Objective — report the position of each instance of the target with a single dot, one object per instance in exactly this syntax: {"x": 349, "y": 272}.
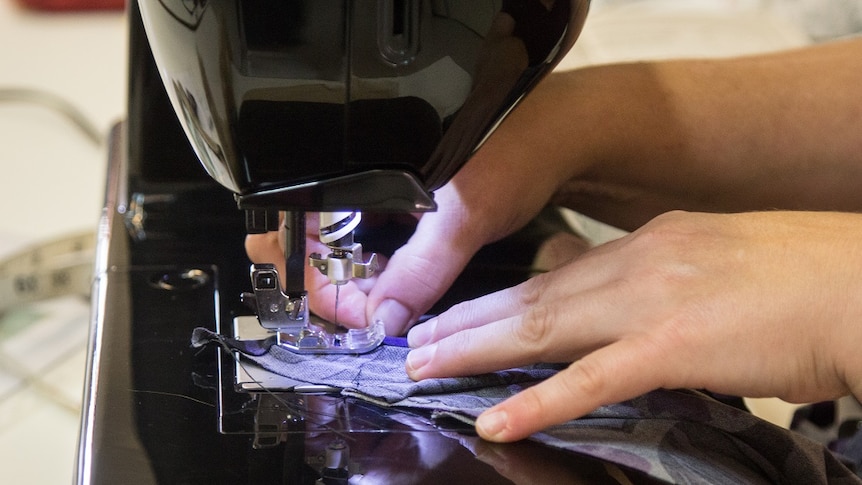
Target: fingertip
{"x": 493, "y": 425}
{"x": 558, "y": 399}
{"x": 396, "y": 317}
{"x": 417, "y": 359}
{"x": 515, "y": 418}
{"x": 263, "y": 248}
{"x": 422, "y": 333}
{"x": 418, "y": 274}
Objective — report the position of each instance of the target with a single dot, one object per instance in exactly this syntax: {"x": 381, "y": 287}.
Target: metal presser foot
{"x": 298, "y": 330}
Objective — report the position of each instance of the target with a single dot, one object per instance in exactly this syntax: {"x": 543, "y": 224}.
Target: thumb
{"x": 421, "y": 271}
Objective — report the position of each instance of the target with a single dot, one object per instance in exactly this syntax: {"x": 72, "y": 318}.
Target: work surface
{"x": 54, "y": 180}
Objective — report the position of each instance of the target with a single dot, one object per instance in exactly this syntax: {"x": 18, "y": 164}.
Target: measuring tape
{"x": 48, "y": 270}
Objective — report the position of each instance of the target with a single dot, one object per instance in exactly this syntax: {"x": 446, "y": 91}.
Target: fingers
{"x": 415, "y": 278}
{"x": 482, "y": 203}
{"x": 352, "y": 299}
{"x": 466, "y": 315}
{"x": 607, "y": 368}
{"x": 265, "y": 248}
{"x": 475, "y": 313}
{"x": 541, "y": 321}
{"x": 609, "y": 375}
{"x": 421, "y": 271}
{"x": 677, "y": 304}
{"x": 593, "y": 270}
{"x": 560, "y": 330}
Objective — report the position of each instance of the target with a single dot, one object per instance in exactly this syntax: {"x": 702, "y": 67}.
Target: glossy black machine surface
{"x": 171, "y": 259}
{"x": 349, "y": 104}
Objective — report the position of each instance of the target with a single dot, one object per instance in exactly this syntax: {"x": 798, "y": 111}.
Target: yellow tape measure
{"x": 51, "y": 269}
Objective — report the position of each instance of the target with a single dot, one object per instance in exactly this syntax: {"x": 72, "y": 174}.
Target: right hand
{"x": 753, "y": 304}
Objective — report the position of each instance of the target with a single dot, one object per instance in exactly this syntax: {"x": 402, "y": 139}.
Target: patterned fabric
{"x": 676, "y": 436}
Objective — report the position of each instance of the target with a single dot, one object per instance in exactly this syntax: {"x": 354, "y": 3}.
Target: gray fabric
{"x": 686, "y": 437}
{"x": 380, "y": 376}
{"x": 676, "y": 436}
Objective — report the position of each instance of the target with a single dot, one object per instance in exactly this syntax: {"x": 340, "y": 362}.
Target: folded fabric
{"x": 676, "y": 436}
{"x": 379, "y": 376}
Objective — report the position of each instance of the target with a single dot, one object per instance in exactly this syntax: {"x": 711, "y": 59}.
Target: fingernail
{"x": 394, "y": 316}
{"x": 421, "y": 334}
{"x": 417, "y": 358}
{"x": 491, "y": 424}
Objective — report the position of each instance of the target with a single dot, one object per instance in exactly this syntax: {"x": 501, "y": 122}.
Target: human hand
{"x": 425, "y": 277}
{"x": 752, "y": 304}
{"x": 498, "y": 191}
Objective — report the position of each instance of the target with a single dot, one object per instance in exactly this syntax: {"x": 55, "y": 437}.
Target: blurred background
{"x": 62, "y": 87}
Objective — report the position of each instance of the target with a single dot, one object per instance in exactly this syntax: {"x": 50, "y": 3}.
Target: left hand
{"x": 753, "y": 304}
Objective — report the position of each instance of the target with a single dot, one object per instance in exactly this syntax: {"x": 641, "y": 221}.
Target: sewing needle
{"x": 337, "y": 289}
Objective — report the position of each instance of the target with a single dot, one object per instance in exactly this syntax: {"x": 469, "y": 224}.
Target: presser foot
{"x": 322, "y": 337}
{"x": 298, "y": 330}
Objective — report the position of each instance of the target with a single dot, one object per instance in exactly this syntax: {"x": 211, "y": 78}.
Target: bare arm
{"x": 624, "y": 143}
{"x": 781, "y": 130}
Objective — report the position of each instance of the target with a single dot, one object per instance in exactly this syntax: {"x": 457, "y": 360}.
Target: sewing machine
{"x": 343, "y": 107}
{"x": 321, "y": 105}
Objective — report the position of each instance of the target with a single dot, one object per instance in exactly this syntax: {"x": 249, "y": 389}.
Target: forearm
{"x": 634, "y": 140}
